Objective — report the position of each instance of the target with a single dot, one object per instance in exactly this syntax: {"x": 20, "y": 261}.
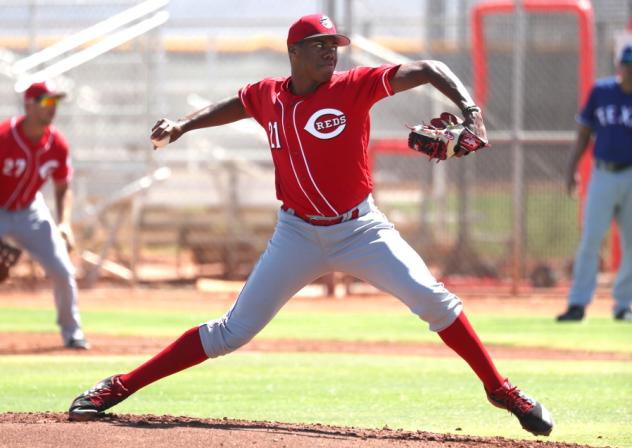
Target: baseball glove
{"x": 444, "y": 137}
{"x": 9, "y": 256}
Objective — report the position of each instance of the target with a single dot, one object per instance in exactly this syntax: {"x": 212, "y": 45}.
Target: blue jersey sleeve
{"x": 587, "y": 115}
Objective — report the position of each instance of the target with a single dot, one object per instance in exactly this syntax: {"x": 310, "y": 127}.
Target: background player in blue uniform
{"x": 608, "y": 116}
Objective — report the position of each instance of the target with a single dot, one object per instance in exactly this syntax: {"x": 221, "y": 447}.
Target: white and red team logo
{"x": 47, "y": 168}
{"x": 326, "y": 123}
{"x": 326, "y": 22}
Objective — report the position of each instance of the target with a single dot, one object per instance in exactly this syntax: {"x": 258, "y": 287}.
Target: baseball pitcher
{"x": 317, "y": 122}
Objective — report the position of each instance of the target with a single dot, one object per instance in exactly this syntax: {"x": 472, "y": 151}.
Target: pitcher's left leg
{"x": 380, "y": 256}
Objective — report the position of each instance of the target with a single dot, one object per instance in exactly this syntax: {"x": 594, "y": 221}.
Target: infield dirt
{"x": 28, "y": 430}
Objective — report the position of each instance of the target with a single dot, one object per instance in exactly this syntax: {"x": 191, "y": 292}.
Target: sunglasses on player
{"x": 47, "y": 101}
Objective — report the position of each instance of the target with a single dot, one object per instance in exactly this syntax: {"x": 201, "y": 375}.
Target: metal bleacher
{"x": 217, "y": 200}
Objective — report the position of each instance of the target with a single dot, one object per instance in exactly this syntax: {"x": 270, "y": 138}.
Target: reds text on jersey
{"x": 26, "y": 165}
{"x": 319, "y": 141}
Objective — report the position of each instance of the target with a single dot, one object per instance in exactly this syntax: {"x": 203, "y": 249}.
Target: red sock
{"x": 461, "y": 337}
{"x": 184, "y": 352}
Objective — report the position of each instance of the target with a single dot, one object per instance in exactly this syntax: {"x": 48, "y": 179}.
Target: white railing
{"x": 104, "y": 30}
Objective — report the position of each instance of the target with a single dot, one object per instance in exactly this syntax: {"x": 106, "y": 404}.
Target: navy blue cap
{"x": 626, "y": 54}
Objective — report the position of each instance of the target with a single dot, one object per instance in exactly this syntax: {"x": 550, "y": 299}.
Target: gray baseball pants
{"x": 34, "y": 229}
{"x": 368, "y": 248}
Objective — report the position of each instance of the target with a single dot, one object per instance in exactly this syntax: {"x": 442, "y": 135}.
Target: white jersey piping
{"x": 384, "y": 83}
{"x": 36, "y": 165}
{"x": 289, "y": 154}
{"x": 298, "y": 137}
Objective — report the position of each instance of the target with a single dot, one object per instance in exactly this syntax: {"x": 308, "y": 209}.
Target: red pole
{"x": 583, "y": 10}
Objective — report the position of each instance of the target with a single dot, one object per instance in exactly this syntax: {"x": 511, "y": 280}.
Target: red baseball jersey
{"x": 319, "y": 141}
{"x": 26, "y": 165}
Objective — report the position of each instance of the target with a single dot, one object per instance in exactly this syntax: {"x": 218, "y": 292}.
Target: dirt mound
{"x": 122, "y": 431}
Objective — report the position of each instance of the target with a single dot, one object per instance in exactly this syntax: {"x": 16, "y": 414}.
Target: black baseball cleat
{"x": 77, "y": 344}
{"x": 91, "y": 404}
{"x": 532, "y": 415}
{"x": 574, "y": 313}
{"x": 624, "y": 315}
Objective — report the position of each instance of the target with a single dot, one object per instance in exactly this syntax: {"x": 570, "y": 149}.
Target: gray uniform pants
{"x": 609, "y": 195}
{"x": 369, "y": 248}
{"x": 34, "y": 229}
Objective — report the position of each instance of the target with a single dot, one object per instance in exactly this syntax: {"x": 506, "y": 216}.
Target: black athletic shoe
{"x": 624, "y": 315}
{"x": 90, "y": 404}
{"x": 77, "y": 344}
{"x": 574, "y": 313}
{"x": 532, "y": 415}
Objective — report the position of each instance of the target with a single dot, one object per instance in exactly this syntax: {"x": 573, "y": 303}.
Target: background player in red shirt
{"x": 31, "y": 151}
{"x": 317, "y": 122}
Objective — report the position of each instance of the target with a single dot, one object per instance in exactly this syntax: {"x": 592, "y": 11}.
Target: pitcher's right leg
{"x": 292, "y": 259}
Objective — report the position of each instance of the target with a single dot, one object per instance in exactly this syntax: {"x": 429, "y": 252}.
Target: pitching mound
{"x": 124, "y": 431}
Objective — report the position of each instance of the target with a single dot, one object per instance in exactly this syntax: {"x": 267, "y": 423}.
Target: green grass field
{"x": 591, "y": 401}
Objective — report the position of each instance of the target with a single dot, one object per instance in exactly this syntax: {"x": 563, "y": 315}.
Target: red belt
{"x": 324, "y": 220}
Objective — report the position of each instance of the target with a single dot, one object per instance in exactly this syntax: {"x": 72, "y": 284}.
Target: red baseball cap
{"x": 42, "y": 89}
{"x": 314, "y": 25}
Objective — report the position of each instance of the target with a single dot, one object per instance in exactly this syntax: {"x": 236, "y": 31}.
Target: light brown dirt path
{"x": 546, "y": 303}
{"x": 44, "y": 430}
{"x": 50, "y": 344}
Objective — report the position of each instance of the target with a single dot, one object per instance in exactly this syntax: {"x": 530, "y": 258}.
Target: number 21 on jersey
{"x": 273, "y": 129}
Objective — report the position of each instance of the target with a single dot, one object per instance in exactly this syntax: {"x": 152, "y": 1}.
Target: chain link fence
{"x": 460, "y": 215}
